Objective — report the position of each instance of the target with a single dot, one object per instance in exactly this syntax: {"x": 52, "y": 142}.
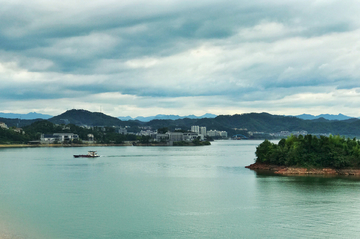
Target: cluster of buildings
{"x": 196, "y": 132}
{"x": 281, "y": 134}
{"x": 3, "y": 125}
{"x": 217, "y": 134}
{"x": 18, "y": 130}
{"x": 58, "y": 137}
{"x": 63, "y": 138}
{"x": 284, "y": 134}
{"x": 170, "y": 137}
{"x": 211, "y": 133}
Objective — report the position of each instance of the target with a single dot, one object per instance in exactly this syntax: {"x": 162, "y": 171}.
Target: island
{"x": 309, "y": 155}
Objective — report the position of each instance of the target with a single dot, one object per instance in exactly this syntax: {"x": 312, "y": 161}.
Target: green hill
{"x": 18, "y": 122}
{"x": 84, "y": 117}
{"x": 266, "y": 123}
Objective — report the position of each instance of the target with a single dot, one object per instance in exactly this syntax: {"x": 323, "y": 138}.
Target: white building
{"x": 48, "y": 139}
{"x": 146, "y": 133}
{"x": 176, "y": 136}
{"x": 58, "y": 137}
{"x": 161, "y": 137}
{"x": 190, "y": 136}
{"x": 195, "y": 128}
{"x": 122, "y": 130}
{"x": 66, "y": 137}
{"x": 223, "y": 134}
{"x": 19, "y": 130}
{"x": 216, "y": 133}
{"x": 203, "y": 132}
{"x": 91, "y": 137}
{"x": 3, "y": 125}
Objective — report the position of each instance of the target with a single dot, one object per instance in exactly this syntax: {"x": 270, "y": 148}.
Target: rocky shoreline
{"x": 283, "y": 170}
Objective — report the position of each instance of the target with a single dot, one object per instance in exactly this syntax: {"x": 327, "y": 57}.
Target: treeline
{"x": 101, "y": 134}
{"x": 311, "y": 151}
{"x": 11, "y": 136}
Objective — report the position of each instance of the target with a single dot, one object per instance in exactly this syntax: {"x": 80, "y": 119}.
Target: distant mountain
{"x": 325, "y": 116}
{"x": 125, "y": 118}
{"x": 84, "y": 117}
{"x": 274, "y": 123}
{"x": 166, "y": 117}
{"x": 29, "y": 116}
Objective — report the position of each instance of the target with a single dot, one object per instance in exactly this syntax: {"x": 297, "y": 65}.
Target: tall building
{"x": 203, "y": 131}
{"x": 195, "y": 128}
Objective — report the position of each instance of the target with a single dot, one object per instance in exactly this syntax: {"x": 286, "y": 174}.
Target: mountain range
{"x": 325, "y": 116}
{"x": 34, "y": 115}
{"x": 166, "y": 117}
{"x": 233, "y": 124}
{"x": 28, "y": 116}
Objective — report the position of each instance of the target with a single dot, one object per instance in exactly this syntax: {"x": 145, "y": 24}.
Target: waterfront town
{"x": 162, "y": 135}
{"x": 154, "y": 136}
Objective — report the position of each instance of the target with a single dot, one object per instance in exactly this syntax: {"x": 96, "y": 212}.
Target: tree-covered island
{"x": 309, "y": 154}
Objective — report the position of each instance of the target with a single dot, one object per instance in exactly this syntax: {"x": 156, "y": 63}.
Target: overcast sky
{"x": 148, "y": 57}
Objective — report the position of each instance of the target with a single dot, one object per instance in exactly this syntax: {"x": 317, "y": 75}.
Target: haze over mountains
{"x": 325, "y": 116}
{"x": 166, "y": 117}
{"x": 29, "y": 116}
{"x": 34, "y": 115}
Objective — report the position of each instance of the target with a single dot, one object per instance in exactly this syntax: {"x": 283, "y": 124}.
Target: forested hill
{"x": 18, "y": 122}
{"x": 84, "y": 117}
{"x": 264, "y": 122}
{"x": 274, "y": 123}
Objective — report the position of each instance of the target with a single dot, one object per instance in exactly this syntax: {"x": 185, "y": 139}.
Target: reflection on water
{"x": 168, "y": 192}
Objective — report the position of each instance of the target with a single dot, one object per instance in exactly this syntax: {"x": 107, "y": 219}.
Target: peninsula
{"x": 309, "y": 155}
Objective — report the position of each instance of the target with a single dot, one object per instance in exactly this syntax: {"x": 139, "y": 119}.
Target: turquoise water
{"x": 167, "y": 192}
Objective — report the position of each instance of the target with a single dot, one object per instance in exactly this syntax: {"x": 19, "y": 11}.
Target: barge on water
{"x": 91, "y": 154}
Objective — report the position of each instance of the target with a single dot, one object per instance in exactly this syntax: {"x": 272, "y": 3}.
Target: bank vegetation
{"x": 311, "y": 152}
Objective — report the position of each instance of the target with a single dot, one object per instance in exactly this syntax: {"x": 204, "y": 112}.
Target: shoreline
{"x": 57, "y": 145}
{"x": 284, "y": 170}
{"x": 128, "y": 143}
{"x": 131, "y": 143}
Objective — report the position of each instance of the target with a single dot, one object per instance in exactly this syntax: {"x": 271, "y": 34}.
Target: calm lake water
{"x": 167, "y": 192}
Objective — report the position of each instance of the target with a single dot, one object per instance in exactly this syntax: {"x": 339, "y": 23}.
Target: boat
{"x": 91, "y": 154}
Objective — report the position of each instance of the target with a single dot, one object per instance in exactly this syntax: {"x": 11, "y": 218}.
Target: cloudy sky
{"x": 148, "y": 57}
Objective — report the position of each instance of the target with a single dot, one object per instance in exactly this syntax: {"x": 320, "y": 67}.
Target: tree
{"x": 163, "y": 130}
{"x": 263, "y": 151}
{"x": 310, "y": 151}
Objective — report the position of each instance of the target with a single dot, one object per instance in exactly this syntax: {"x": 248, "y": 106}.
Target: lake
{"x": 167, "y": 192}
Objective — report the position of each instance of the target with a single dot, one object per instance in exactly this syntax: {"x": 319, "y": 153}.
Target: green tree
{"x": 310, "y": 151}
{"x": 163, "y": 130}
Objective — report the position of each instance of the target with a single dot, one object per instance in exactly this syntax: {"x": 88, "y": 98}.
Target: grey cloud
{"x": 257, "y": 51}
